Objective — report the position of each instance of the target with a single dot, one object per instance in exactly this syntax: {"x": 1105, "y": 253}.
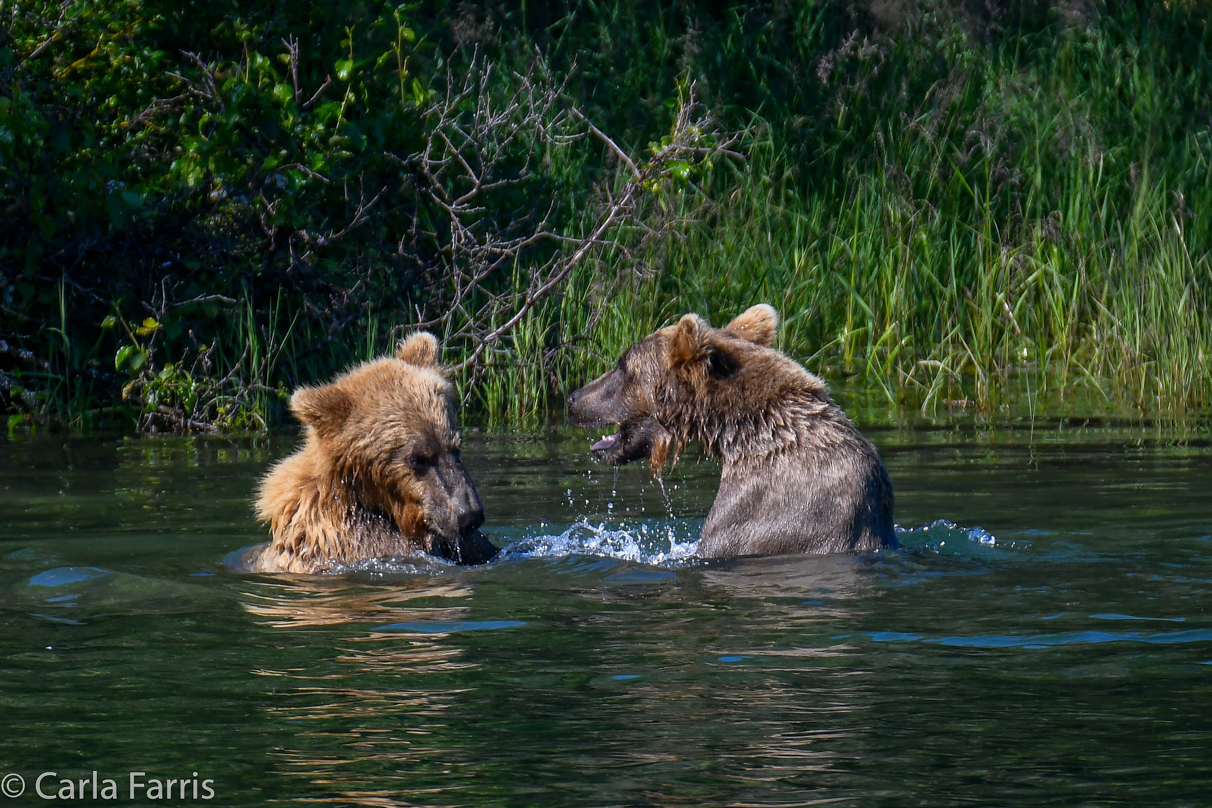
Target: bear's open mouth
{"x": 632, "y": 441}
{"x": 606, "y": 443}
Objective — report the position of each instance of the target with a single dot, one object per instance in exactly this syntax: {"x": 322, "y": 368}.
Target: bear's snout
{"x": 456, "y": 500}
{"x": 576, "y": 410}
{"x": 574, "y": 399}
{"x": 598, "y": 403}
{"x": 471, "y": 516}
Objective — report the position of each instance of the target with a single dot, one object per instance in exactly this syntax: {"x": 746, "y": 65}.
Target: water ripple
{"x": 442, "y": 627}
{"x": 1047, "y": 640}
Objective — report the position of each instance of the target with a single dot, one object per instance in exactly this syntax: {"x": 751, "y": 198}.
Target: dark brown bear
{"x": 798, "y": 476}
{"x": 378, "y": 474}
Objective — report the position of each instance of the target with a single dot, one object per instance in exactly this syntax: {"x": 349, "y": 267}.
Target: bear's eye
{"x": 420, "y": 463}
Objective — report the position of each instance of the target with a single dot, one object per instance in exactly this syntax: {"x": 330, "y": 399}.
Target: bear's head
{"x": 654, "y": 387}
{"x": 388, "y": 431}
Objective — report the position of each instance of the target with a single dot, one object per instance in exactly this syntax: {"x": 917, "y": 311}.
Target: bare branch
{"x": 600, "y": 135}
{"x": 495, "y": 270}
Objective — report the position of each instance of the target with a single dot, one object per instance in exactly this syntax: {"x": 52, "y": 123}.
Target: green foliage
{"x": 944, "y": 202}
{"x": 203, "y": 159}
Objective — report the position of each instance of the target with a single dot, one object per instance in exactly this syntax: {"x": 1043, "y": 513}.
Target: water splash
{"x": 665, "y": 497}
{"x": 670, "y": 543}
{"x": 658, "y": 543}
{"x": 945, "y": 537}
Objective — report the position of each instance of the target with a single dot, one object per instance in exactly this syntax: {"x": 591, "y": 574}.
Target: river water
{"x": 1044, "y": 636}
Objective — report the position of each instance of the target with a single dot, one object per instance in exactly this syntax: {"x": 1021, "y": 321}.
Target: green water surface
{"x": 1043, "y": 638}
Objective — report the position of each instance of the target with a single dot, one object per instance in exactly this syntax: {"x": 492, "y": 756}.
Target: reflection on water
{"x": 299, "y": 601}
{"x": 589, "y": 689}
{"x": 1045, "y": 640}
{"x": 1042, "y": 637}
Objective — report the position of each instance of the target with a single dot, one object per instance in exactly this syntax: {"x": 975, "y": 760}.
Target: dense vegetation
{"x": 204, "y": 204}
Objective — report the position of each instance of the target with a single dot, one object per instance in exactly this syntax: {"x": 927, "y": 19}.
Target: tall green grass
{"x": 1034, "y": 219}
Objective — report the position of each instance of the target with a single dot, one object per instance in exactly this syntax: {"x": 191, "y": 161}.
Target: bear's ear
{"x": 691, "y": 341}
{"x": 757, "y": 324}
{"x": 693, "y": 347}
{"x": 323, "y": 408}
{"x": 421, "y": 349}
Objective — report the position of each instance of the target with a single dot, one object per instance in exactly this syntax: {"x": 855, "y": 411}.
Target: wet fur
{"x": 798, "y": 476}
{"x": 378, "y": 474}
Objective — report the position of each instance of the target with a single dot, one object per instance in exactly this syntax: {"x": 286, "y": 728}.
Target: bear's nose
{"x": 573, "y": 398}
{"x": 471, "y": 518}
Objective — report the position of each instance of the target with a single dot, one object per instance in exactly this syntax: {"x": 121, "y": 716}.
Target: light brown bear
{"x": 378, "y": 474}
{"x": 798, "y": 476}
